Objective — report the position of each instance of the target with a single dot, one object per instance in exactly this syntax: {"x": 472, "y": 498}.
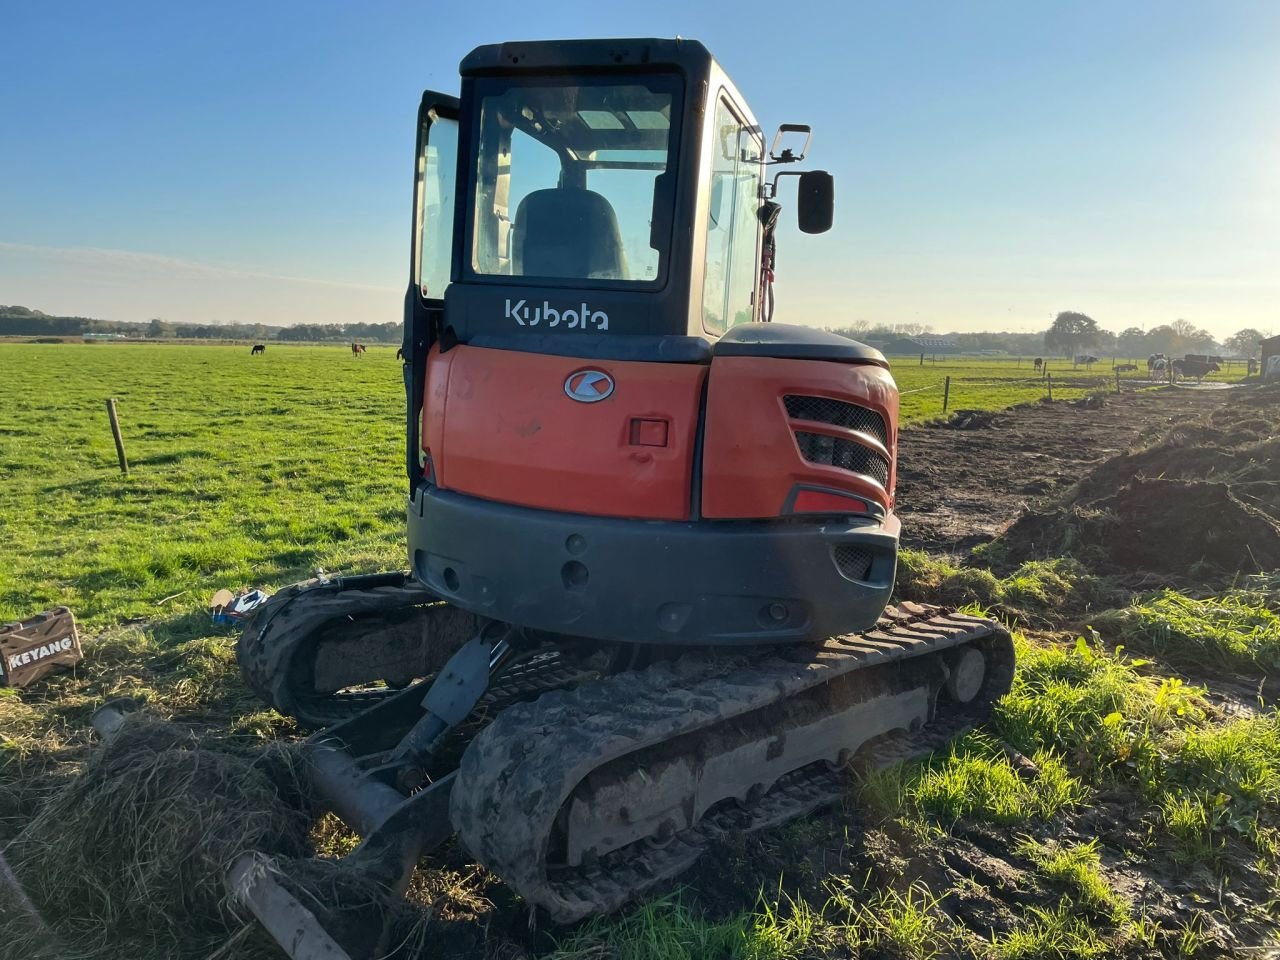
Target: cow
{"x": 1192, "y": 368}
{"x": 1083, "y": 359}
{"x": 1039, "y": 364}
{"x": 1126, "y": 367}
{"x": 399, "y": 353}
{"x": 257, "y": 349}
{"x": 1155, "y": 363}
{"x": 357, "y": 349}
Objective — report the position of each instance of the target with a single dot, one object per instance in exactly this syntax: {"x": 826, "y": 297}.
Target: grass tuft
{"x": 973, "y": 779}
{"x": 1059, "y": 933}
{"x": 669, "y": 929}
{"x": 1076, "y": 870}
{"x": 1238, "y": 630}
{"x": 1038, "y": 587}
{"x": 1092, "y": 706}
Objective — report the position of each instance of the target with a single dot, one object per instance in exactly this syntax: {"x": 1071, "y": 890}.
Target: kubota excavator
{"x": 651, "y": 535}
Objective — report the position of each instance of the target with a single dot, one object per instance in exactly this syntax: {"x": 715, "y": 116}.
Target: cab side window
{"x": 732, "y": 223}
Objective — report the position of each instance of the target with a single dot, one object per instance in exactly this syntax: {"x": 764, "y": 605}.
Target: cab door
{"x": 435, "y": 179}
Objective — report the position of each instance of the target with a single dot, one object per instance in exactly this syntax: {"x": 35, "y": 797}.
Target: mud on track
{"x": 963, "y": 480}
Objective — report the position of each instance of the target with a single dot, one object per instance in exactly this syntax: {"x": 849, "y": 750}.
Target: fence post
{"x": 115, "y": 432}
{"x": 922, "y": 359}
{"x": 1117, "y": 381}
{"x": 946, "y": 393}
{"x": 1049, "y": 380}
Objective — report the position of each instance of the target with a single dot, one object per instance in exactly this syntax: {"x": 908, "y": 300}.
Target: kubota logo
{"x": 582, "y": 317}
{"x": 588, "y": 386}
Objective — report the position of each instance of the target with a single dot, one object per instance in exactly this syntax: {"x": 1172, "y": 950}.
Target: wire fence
{"x": 954, "y": 388}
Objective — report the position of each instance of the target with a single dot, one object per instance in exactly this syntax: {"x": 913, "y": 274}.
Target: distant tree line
{"x": 1016, "y": 344}
{"x": 1072, "y": 333}
{"x": 18, "y": 321}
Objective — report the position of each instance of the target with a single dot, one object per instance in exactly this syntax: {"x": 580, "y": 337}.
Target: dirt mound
{"x": 1090, "y": 401}
{"x": 1203, "y": 502}
{"x": 970, "y": 420}
{"x": 1174, "y": 527}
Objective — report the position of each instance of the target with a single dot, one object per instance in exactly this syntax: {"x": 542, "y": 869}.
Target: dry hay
{"x": 1203, "y": 502}
{"x": 128, "y": 859}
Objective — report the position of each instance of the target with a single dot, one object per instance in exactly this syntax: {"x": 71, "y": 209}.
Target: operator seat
{"x": 567, "y": 232}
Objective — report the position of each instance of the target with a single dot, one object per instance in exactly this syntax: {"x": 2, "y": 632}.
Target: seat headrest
{"x": 565, "y": 232}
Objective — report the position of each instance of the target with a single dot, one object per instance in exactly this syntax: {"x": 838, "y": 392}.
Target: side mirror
{"x": 815, "y": 201}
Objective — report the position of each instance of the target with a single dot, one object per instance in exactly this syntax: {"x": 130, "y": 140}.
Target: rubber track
{"x": 519, "y": 771}
{"x": 272, "y": 648}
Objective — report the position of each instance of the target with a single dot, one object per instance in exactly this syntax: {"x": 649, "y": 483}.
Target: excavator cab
{"x": 604, "y": 437}
{"x": 616, "y": 465}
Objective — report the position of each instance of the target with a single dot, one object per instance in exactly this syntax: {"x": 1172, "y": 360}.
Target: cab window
{"x": 728, "y": 292}
{"x": 572, "y": 180}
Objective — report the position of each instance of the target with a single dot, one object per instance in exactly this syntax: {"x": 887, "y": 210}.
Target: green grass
{"x": 669, "y": 929}
{"x": 1060, "y": 934}
{"x": 244, "y": 471}
{"x": 1239, "y": 630}
{"x": 1076, "y": 870}
{"x": 1095, "y": 707}
{"x": 1037, "y": 588}
{"x": 987, "y": 384}
{"x": 1191, "y": 821}
{"x": 974, "y": 780}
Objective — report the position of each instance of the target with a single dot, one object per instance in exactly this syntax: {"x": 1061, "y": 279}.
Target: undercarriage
{"x": 583, "y": 774}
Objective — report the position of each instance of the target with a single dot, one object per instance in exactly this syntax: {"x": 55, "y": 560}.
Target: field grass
{"x": 256, "y": 471}
{"x": 244, "y": 471}
{"x": 987, "y": 384}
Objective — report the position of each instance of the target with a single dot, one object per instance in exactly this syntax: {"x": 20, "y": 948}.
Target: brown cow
{"x": 357, "y": 349}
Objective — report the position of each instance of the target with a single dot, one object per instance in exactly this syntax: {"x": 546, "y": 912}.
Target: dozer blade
{"x": 254, "y": 882}
{"x": 372, "y": 770}
{"x": 344, "y": 910}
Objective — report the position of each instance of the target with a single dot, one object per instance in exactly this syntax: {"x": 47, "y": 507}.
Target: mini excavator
{"x": 651, "y": 535}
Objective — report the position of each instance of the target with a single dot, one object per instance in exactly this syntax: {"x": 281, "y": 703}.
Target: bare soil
{"x": 962, "y": 481}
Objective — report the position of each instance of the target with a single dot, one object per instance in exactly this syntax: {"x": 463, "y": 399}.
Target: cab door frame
{"x": 423, "y": 313}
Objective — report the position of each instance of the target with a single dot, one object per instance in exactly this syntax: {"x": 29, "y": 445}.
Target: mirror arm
{"x": 772, "y": 186}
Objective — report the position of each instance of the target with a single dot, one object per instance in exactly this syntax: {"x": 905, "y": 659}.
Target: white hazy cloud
{"x": 133, "y": 285}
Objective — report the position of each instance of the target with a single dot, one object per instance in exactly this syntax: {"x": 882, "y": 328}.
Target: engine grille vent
{"x": 838, "y": 413}
{"x": 854, "y": 563}
{"x": 845, "y": 454}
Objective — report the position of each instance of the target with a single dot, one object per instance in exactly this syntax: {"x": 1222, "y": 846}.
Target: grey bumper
{"x": 641, "y": 581}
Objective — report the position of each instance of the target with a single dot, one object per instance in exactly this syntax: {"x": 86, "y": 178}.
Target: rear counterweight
{"x": 638, "y": 581}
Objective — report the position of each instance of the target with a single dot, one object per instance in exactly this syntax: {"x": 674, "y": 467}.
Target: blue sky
{"x": 995, "y": 162}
